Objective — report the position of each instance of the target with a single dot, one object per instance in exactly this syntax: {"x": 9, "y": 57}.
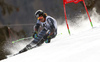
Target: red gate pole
{"x": 87, "y": 13}
{"x": 66, "y": 17}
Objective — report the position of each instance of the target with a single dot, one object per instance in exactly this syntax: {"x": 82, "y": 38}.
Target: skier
{"x": 48, "y": 32}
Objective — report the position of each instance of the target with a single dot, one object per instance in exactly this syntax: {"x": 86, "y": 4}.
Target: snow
{"x": 83, "y": 45}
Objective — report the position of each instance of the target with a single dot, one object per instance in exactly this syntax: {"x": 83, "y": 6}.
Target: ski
{"x": 22, "y": 52}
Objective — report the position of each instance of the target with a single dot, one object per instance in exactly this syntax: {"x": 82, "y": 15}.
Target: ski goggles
{"x": 41, "y": 17}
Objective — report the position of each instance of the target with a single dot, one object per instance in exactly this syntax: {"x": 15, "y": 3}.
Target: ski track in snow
{"x": 81, "y": 47}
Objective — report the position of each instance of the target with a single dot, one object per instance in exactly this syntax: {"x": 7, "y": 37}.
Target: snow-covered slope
{"x": 81, "y": 47}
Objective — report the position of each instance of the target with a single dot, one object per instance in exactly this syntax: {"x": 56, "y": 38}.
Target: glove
{"x": 48, "y": 39}
{"x": 35, "y": 34}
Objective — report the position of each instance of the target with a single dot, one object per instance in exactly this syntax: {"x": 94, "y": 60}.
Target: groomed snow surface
{"x": 83, "y": 45}
{"x": 80, "y": 47}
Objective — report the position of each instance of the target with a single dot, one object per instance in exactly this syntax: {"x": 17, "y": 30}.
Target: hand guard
{"x": 35, "y": 34}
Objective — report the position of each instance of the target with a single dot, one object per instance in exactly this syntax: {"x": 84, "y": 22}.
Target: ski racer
{"x": 48, "y": 32}
{"x": 49, "y": 25}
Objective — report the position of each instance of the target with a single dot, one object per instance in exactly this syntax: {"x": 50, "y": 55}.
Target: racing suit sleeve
{"x": 52, "y": 27}
{"x": 36, "y": 27}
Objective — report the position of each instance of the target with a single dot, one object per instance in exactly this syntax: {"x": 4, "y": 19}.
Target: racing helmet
{"x": 39, "y": 13}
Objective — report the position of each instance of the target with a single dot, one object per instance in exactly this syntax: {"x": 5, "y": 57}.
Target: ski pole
{"x": 21, "y": 39}
{"x": 28, "y": 38}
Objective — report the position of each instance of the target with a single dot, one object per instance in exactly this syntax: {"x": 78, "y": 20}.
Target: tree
{"x": 7, "y": 8}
